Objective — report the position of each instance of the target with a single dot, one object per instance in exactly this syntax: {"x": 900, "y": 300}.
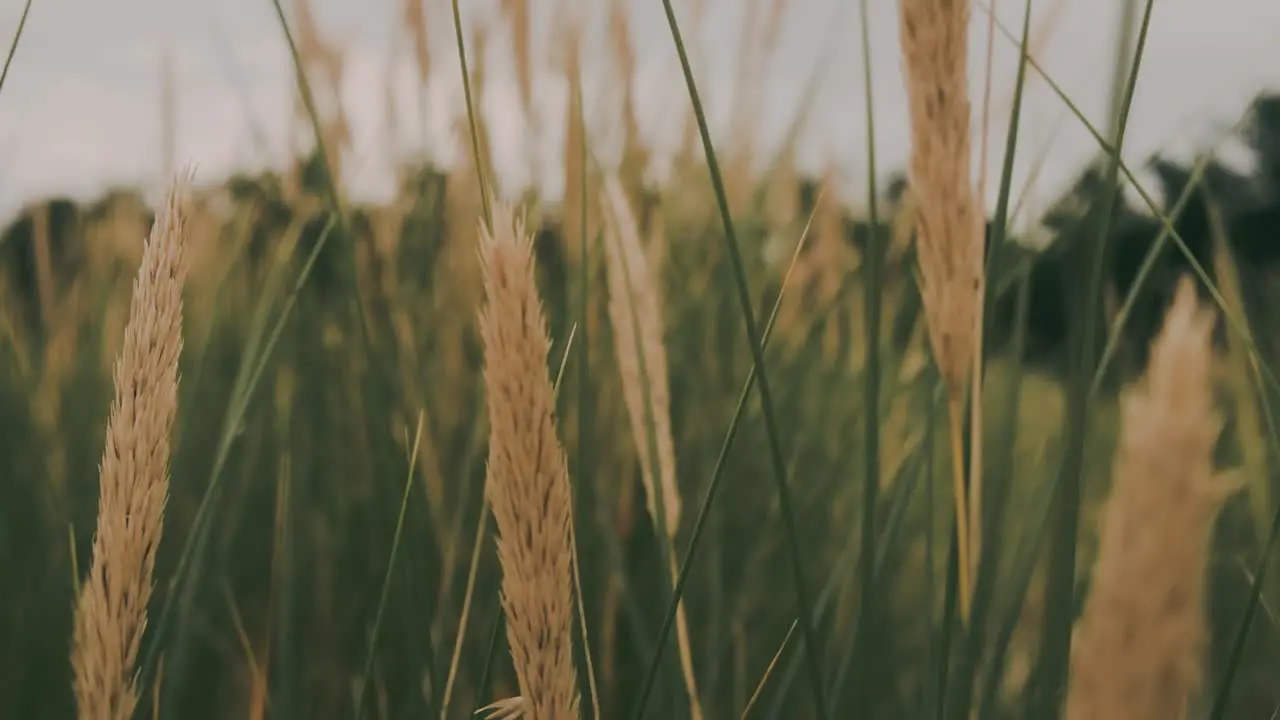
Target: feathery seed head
{"x": 637, "y": 321}
{"x": 111, "y": 611}
{"x": 528, "y": 478}
{"x": 1142, "y": 635}
{"x": 934, "y": 36}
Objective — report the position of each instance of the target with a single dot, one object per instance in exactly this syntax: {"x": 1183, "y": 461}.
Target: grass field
{"x": 743, "y": 474}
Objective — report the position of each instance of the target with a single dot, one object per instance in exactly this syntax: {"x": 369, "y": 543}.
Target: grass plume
{"x": 111, "y": 611}
{"x": 1140, "y": 640}
{"x": 934, "y": 39}
{"x": 528, "y": 478}
{"x": 637, "y": 321}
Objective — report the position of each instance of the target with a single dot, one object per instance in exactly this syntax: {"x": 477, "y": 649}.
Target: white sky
{"x": 81, "y": 107}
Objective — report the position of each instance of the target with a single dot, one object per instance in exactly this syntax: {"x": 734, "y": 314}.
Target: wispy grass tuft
{"x": 1142, "y": 636}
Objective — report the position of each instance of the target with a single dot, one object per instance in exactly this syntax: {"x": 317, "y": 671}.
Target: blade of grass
{"x": 813, "y": 652}
{"x": 768, "y": 671}
{"x": 584, "y": 401}
{"x": 13, "y": 46}
{"x": 916, "y": 469}
{"x": 933, "y": 696}
{"x": 386, "y": 579}
{"x": 1242, "y": 390}
{"x": 1229, "y": 673}
{"x": 491, "y": 651}
{"x": 1223, "y": 693}
{"x": 1144, "y": 270}
{"x": 717, "y": 474}
{"x": 333, "y": 197}
{"x": 987, "y": 528}
{"x": 867, "y": 622}
{"x": 1165, "y": 221}
{"x": 471, "y": 113}
{"x": 1002, "y": 475}
{"x": 182, "y": 587}
{"x": 1060, "y": 607}
{"x": 904, "y": 484}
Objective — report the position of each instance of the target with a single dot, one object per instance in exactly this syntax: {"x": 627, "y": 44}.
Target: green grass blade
{"x": 13, "y": 46}
{"x": 183, "y": 584}
{"x": 768, "y": 673}
{"x": 812, "y": 650}
{"x": 583, "y": 497}
{"x": 717, "y": 474}
{"x": 915, "y": 470}
{"x": 1258, "y": 583}
{"x": 1236, "y": 324}
{"x": 1060, "y": 606}
{"x": 472, "y": 120}
{"x": 865, "y": 633}
{"x": 995, "y": 493}
{"x": 333, "y": 196}
{"x": 1223, "y": 692}
{"x": 386, "y": 580}
{"x": 1144, "y": 271}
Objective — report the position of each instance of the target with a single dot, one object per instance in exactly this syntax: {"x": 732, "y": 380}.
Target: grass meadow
{"x": 716, "y": 448}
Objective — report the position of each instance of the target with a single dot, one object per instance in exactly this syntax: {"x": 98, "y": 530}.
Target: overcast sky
{"x": 81, "y": 107}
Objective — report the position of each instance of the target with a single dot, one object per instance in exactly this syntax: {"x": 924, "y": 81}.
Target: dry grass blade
{"x": 768, "y": 672}
{"x": 637, "y": 319}
{"x": 527, "y": 485}
{"x": 1140, "y": 640}
{"x": 948, "y": 221}
{"x": 509, "y": 709}
{"x": 111, "y": 610}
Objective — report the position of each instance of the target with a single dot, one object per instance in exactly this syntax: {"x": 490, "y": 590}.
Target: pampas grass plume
{"x": 528, "y": 478}
{"x": 111, "y": 611}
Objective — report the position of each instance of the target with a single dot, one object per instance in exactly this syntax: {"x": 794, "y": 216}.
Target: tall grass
{"x": 807, "y": 449}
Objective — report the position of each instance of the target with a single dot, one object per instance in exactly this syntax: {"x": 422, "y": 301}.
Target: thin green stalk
{"x": 717, "y": 474}
{"x": 13, "y": 46}
{"x": 1260, "y": 573}
{"x": 182, "y": 587}
{"x": 386, "y": 579}
{"x": 812, "y": 650}
{"x": 917, "y": 469}
{"x": 308, "y": 101}
{"x": 1061, "y": 593}
{"x": 491, "y": 651}
{"x": 584, "y": 401}
{"x": 1223, "y": 693}
{"x": 471, "y": 114}
{"x": 1236, "y": 324}
{"x": 867, "y": 622}
{"x": 768, "y": 671}
{"x": 933, "y": 695}
{"x": 988, "y": 526}
{"x": 1144, "y": 270}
